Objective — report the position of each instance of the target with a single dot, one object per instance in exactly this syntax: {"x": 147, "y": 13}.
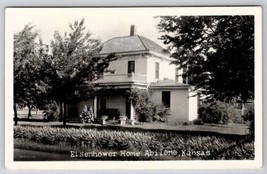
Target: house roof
{"x": 133, "y": 43}
{"x": 168, "y": 83}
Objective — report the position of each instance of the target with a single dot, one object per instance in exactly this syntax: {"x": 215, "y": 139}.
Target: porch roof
{"x": 168, "y": 83}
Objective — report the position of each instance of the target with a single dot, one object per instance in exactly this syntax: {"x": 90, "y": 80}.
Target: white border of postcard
{"x": 10, "y": 14}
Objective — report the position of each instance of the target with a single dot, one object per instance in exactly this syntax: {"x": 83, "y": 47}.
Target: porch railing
{"x": 125, "y": 77}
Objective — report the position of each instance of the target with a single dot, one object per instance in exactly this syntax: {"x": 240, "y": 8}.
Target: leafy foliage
{"x": 249, "y": 117}
{"x": 198, "y": 121}
{"x": 65, "y": 75}
{"x": 217, "y": 112}
{"x": 87, "y": 115}
{"x": 216, "y": 53}
{"x": 74, "y": 64}
{"x": 147, "y": 109}
{"x": 28, "y": 56}
{"x": 249, "y": 114}
{"x": 51, "y": 112}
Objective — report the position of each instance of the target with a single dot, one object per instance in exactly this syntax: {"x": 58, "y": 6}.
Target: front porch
{"x": 110, "y": 102}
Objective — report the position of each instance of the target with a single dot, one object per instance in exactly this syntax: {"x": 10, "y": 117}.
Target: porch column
{"x": 132, "y": 111}
{"x": 95, "y": 106}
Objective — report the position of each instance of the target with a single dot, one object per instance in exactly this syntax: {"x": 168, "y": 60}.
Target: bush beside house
{"x": 217, "y": 112}
{"x": 87, "y": 115}
{"x": 147, "y": 109}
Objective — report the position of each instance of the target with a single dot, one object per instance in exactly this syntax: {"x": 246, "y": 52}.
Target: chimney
{"x": 132, "y": 30}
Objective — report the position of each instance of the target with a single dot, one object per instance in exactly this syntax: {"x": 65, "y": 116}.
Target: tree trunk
{"x": 62, "y": 113}
{"x": 15, "y": 114}
{"x": 29, "y": 112}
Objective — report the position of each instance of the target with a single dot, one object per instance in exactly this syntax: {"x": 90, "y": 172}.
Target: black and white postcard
{"x": 133, "y": 88}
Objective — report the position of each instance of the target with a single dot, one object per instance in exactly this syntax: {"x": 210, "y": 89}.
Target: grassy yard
{"x": 31, "y": 155}
{"x": 93, "y": 144}
{"x": 231, "y": 129}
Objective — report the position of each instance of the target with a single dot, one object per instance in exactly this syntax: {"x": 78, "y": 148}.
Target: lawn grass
{"x": 30, "y": 155}
{"x": 188, "y": 146}
{"x": 231, "y": 129}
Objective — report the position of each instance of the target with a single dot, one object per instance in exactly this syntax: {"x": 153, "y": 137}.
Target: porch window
{"x": 166, "y": 98}
{"x": 131, "y": 67}
{"x": 156, "y": 70}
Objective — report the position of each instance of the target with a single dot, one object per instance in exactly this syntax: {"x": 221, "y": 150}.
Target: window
{"x": 131, "y": 67}
{"x": 166, "y": 98}
{"x": 156, "y": 70}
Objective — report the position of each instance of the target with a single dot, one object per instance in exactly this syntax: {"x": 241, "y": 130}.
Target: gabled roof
{"x": 168, "y": 83}
{"x": 128, "y": 44}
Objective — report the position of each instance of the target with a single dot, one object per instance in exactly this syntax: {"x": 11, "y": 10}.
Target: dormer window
{"x": 131, "y": 67}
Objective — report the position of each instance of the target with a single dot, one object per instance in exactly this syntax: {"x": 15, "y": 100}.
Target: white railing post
{"x": 132, "y": 110}
{"x": 95, "y": 106}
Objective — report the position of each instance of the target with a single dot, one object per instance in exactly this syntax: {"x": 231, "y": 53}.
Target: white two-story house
{"x": 144, "y": 64}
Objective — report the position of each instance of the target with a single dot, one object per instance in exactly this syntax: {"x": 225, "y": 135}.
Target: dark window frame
{"x": 131, "y": 67}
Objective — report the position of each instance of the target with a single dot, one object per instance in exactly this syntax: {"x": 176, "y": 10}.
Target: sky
{"x": 102, "y": 22}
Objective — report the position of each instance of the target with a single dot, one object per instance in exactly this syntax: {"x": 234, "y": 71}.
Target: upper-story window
{"x": 156, "y": 70}
{"x": 131, "y": 67}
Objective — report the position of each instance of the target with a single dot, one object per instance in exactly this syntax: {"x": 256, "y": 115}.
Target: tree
{"x": 27, "y": 61}
{"x": 216, "y": 52}
{"x": 73, "y": 65}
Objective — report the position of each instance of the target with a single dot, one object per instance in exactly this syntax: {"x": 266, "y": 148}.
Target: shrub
{"x": 159, "y": 118}
{"x": 147, "y": 109}
{"x": 249, "y": 117}
{"x": 217, "y": 112}
{"x": 188, "y": 123}
{"x": 51, "y": 112}
{"x": 87, "y": 115}
{"x": 198, "y": 121}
